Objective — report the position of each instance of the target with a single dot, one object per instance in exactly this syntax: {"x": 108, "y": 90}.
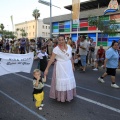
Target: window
{"x": 33, "y": 26}
{"x": 46, "y": 33}
{"x": 46, "y": 27}
{"x": 33, "y": 33}
{"x": 29, "y": 34}
{"x": 43, "y": 27}
{"x": 43, "y": 34}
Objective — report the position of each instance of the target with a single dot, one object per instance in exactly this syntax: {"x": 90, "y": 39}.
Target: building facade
{"x": 43, "y": 30}
{"x": 64, "y": 25}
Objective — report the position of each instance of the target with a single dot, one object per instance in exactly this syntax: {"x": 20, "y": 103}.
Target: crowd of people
{"x": 66, "y": 55}
{"x": 24, "y": 45}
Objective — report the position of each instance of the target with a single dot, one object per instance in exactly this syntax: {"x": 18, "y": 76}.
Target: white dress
{"x": 64, "y": 77}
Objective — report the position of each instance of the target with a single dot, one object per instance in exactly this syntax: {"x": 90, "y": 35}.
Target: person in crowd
{"x": 69, "y": 42}
{"x": 78, "y": 44}
{"x": 87, "y": 57}
{"x": 76, "y": 60}
{"x": 73, "y": 50}
{"x": 111, "y": 64}
{"x": 39, "y": 43}
{"x": 100, "y": 57}
{"x": 43, "y": 42}
{"x": 63, "y": 86}
{"x": 50, "y": 47}
{"x": 83, "y": 52}
{"x": 12, "y": 47}
{"x": 16, "y": 46}
{"x": 38, "y": 51}
{"x": 1, "y": 45}
{"x": 4, "y": 45}
{"x": 7, "y": 46}
{"x": 119, "y": 52}
{"x": 22, "y": 46}
{"x": 91, "y": 55}
{"x": 38, "y": 85}
{"x": 55, "y": 42}
{"x": 27, "y": 45}
{"x": 32, "y": 45}
{"x": 43, "y": 59}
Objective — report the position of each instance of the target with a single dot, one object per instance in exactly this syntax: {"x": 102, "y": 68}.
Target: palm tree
{"x": 17, "y": 29}
{"x": 36, "y": 15}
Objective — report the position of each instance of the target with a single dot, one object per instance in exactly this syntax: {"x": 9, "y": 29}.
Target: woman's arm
{"x": 49, "y": 63}
{"x": 105, "y": 63}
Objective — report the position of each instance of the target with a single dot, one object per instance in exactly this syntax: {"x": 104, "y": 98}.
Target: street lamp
{"x": 49, "y": 4}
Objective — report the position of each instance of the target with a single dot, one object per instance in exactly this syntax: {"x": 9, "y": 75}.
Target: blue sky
{"x": 22, "y": 10}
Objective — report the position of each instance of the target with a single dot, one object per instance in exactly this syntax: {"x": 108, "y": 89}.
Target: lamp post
{"x": 49, "y": 4}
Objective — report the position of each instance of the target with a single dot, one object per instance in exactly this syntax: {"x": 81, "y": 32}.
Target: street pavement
{"x": 94, "y": 100}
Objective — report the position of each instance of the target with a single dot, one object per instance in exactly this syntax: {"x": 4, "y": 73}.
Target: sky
{"x": 22, "y": 10}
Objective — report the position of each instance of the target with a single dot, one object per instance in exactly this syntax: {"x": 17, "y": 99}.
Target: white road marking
{"x": 82, "y": 98}
{"x": 79, "y": 87}
{"x": 31, "y": 111}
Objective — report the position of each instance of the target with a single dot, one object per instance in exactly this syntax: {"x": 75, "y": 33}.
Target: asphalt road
{"x": 94, "y": 101}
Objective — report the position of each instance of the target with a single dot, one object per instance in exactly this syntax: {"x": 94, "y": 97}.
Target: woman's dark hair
{"x": 62, "y": 36}
{"x": 113, "y": 42}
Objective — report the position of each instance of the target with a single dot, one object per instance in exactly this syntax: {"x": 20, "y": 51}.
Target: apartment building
{"x": 43, "y": 30}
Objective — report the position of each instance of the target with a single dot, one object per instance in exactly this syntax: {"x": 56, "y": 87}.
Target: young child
{"x": 43, "y": 59}
{"x": 38, "y": 85}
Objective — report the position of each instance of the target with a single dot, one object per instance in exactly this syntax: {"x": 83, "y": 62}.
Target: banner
{"x": 12, "y": 63}
{"x": 112, "y": 7}
{"x": 76, "y": 11}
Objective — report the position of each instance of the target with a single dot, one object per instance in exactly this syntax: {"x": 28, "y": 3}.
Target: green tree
{"x": 23, "y": 33}
{"x": 108, "y": 27}
{"x": 36, "y": 15}
{"x": 9, "y": 34}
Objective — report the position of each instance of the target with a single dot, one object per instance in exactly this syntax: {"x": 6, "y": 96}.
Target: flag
{"x": 75, "y": 11}
{"x": 112, "y": 7}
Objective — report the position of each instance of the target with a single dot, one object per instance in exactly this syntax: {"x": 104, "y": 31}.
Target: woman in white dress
{"x": 63, "y": 86}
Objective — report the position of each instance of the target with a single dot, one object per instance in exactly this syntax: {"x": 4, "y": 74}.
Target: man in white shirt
{"x": 91, "y": 52}
{"x": 83, "y": 52}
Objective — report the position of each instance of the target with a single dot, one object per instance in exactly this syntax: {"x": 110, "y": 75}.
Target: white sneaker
{"x": 40, "y": 108}
{"x": 42, "y": 105}
{"x": 95, "y": 69}
{"x": 115, "y": 86}
{"x": 101, "y": 80}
